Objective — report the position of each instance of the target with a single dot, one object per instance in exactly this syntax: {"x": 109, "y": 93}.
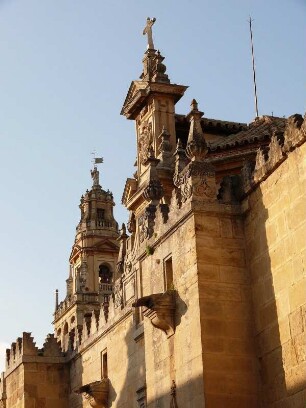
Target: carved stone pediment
{"x": 96, "y": 393}
{"x": 160, "y": 309}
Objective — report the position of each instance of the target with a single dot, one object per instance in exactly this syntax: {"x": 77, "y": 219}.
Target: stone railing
{"x": 106, "y": 288}
{"x": 72, "y": 299}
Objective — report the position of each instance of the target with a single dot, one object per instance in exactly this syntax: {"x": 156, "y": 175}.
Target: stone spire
{"x": 153, "y": 68}
{"x": 196, "y": 148}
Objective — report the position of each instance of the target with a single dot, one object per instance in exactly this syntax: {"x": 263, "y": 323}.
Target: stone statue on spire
{"x": 95, "y": 176}
{"x": 148, "y": 30}
{"x": 95, "y": 172}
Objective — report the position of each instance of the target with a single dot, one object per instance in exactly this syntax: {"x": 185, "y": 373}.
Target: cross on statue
{"x": 148, "y": 30}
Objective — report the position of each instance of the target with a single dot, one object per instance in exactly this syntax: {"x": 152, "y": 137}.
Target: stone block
{"x": 268, "y": 315}
{"x": 226, "y": 228}
{"x": 296, "y": 322}
{"x": 297, "y": 294}
{"x": 231, "y": 274}
{"x": 207, "y": 225}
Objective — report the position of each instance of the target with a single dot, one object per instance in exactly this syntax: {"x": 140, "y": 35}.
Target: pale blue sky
{"x": 66, "y": 66}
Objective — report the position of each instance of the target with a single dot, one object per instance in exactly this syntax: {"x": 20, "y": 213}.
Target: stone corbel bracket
{"x": 96, "y": 393}
{"x": 160, "y": 309}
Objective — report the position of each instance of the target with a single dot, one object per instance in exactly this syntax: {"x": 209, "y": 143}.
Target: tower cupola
{"x": 93, "y": 261}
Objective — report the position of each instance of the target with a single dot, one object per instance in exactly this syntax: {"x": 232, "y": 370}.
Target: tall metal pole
{"x": 254, "y": 73}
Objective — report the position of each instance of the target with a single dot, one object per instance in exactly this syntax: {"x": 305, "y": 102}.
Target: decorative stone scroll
{"x": 160, "y": 309}
{"x": 96, "y": 393}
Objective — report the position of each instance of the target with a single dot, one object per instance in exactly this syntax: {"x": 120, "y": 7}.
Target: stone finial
{"x": 165, "y": 149}
{"x": 153, "y": 191}
{"x": 165, "y": 145}
{"x": 180, "y": 161}
{"x": 159, "y": 69}
{"x": 56, "y": 299}
{"x": 196, "y": 148}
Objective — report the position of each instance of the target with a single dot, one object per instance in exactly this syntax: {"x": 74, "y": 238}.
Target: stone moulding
{"x": 96, "y": 393}
{"x": 160, "y": 309}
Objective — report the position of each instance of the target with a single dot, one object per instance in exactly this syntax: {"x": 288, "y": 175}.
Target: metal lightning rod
{"x": 253, "y": 63}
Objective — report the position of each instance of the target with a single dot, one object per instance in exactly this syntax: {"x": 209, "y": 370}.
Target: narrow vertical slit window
{"x": 168, "y": 274}
{"x": 104, "y": 368}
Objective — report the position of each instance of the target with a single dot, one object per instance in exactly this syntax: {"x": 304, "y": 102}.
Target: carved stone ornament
{"x": 118, "y": 293}
{"x": 160, "y": 309}
{"x": 96, "y": 393}
{"x": 146, "y": 223}
{"x": 153, "y": 191}
{"x": 173, "y": 403}
{"x": 145, "y": 140}
{"x": 3, "y": 403}
{"x": 196, "y": 148}
{"x": 197, "y": 179}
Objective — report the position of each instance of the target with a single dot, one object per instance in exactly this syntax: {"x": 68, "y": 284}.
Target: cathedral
{"x": 199, "y": 300}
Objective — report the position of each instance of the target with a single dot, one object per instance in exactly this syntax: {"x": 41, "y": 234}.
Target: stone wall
{"x": 35, "y": 378}
{"x": 178, "y": 357}
{"x": 275, "y": 233}
{"x": 229, "y": 361}
{"x": 123, "y": 343}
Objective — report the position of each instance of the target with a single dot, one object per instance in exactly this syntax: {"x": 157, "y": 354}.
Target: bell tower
{"x": 92, "y": 262}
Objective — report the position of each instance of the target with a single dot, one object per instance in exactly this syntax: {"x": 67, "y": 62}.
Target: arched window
{"x": 65, "y": 329}
{"x": 105, "y": 274}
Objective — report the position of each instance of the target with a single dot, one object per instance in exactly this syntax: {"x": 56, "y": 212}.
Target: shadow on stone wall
{"x": 270, "y": 273}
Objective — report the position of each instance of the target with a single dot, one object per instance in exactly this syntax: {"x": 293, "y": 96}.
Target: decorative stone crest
{"x": 197, "y": 179}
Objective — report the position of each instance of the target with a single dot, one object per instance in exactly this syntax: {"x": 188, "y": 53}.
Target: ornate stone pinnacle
{"x": 159, "y": 74}
{"x": 165, "y": 145}
{"x": 196, "y": 148}
{"x": 153, "y": 192}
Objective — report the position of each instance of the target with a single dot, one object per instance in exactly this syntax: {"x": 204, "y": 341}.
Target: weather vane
{"x": 148, "y": 30}
{"x": 95, "y": 172}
